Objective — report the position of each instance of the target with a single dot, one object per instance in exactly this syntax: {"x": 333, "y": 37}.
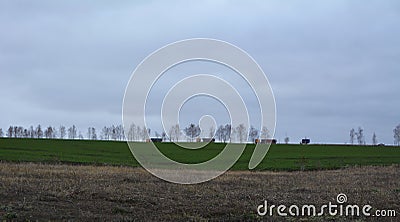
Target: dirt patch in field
{"x": 85, "y": 193}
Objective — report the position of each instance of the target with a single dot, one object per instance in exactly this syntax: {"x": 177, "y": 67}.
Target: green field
{"x": 279, "y": 157}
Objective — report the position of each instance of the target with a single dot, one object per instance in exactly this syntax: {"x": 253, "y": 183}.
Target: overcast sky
{"x": 333, "y": 65}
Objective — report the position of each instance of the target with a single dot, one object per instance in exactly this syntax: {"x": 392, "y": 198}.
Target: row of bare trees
{"x": 62, "y": 132}
{"x": 31, "y": 132}
{"x": 224, "y": 133}
{"x": 358, "y": 136}
{"x": 228, "y": 133}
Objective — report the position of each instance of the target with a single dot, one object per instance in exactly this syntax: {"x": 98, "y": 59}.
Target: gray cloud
{"x": 333, "y": 65}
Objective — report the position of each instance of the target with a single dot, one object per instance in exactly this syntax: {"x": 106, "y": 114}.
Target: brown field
{"x": 30, "y": 192}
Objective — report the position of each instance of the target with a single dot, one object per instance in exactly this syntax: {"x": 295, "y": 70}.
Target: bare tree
{"x": 26, "y": 133}
{"x": 54, "y": 133}
{"x": 253, "y": 133}
{"x": 233, "y": 134}
{"x": 211, "y": 132}
{"x": 92, "y": 133}
{"x": 62, "y": 132}
{"x": 360, "y": 136}
{"x": 145, "y": 133}
{"x": 48, "y": 132}
{"x": 105, "y": 133}
{"x": 396, "y": 135}
{"x": 32, "y": 132}
{"x": 72, "y": 132}
{"x": 132, "y": 132}
{"x": 19, "y": 131}
{"x": 164, "y": 136}
{"x": 286, "y": 139}
{"x": 220, "y": 133}
{"x": 171, "y": 133}
{"x": 174, "y": 133}
{"x": 1, "y": 132}
{"x": 10, "y": 132}
{"x": 192, "y": 131}
{"x": 264, "y": 133}
{"x": 80, "y": 136}
{"x": 113, "y": 131}
{"x": 227, "y": 132}
{"x": 241, "y": 132}
{"x": 177, "y": 132}
{"x": 89, "y": 133}
{"x": 39, "y": 132}
{"x": 16, "y": 134}
{"x": 374, "y": 140}
{"x": 352, "y": 135}
{"x": 138, "y": 130}
{"x": 51, "y": 132}
{"x": 120, "y": 132}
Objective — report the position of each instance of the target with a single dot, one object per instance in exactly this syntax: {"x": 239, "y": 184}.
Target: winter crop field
{"x": 280, "y": 157}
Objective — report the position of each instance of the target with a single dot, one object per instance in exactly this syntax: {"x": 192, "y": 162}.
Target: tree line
{"x": 358, "y": 136}
{"x": 114, "y": 132}
{"x": 224, "y": 133}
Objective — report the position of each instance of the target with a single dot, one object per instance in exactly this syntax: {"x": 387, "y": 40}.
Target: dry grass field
{"x": 32, "y": 191}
